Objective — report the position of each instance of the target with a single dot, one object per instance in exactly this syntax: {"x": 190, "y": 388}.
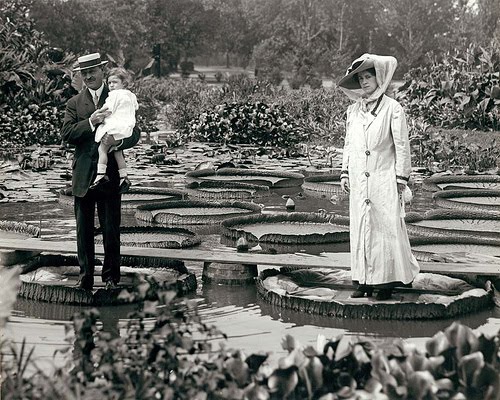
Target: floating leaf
{"x": 421, "y": 385}
{"x": 256, "y": 392}
{"x": 238, "y": 370}
{"x": 289, "y": 343}
{"x": 254, "y": 361}
{"x": 283, "y": 381}
{"x": 463, "y": 338}
{"x": 468, "y": 366}
{"x": 437, "y": 344}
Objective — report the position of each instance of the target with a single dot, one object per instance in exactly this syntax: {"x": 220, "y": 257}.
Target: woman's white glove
{"x": 344, "y": 184}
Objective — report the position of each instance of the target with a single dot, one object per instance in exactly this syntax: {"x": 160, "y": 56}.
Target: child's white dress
{"x": 122, "y": 103}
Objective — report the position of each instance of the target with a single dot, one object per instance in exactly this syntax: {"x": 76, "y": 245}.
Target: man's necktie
{"x": 96, "y": 99}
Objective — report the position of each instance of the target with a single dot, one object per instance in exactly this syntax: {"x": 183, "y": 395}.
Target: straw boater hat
{"x": 349, "y": 81}
{"x": 89, "y": 61}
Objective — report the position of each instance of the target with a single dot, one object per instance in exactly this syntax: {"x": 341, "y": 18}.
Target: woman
{"x": 375, "y": 172}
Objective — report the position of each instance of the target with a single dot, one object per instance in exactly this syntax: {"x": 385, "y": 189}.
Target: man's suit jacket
{"x": 76, "y": 131}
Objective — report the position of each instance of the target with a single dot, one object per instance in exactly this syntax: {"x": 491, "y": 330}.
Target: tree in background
{"x": 112, "y": 27}
{"x": 182, "y": 27}
{"x": 233, "y": 34}
{"x": 303, "y": 39}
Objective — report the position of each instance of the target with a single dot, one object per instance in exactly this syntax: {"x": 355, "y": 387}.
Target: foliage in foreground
{"x": 167, "y": 354}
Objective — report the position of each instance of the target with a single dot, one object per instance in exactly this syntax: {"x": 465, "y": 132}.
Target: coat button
{"x": 367, "y": 152}
{"x": 367, "y": 174}
{"x": 367, "y": 201}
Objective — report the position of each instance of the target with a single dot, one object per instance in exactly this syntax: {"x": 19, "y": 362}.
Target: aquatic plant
{"x": 167, "y": 353}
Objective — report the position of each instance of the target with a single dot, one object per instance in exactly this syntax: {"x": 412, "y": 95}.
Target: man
{"x": 84, "y": 112}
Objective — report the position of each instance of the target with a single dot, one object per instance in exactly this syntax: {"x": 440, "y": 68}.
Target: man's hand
{"x": 98, "y": 115}
{"x": 344, "y": 184}
{"x": 109, "y": 140}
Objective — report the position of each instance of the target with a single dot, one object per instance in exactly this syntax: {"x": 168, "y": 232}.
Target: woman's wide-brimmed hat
{"x": 349, "y": 81}
{"x": 89, "y": 61}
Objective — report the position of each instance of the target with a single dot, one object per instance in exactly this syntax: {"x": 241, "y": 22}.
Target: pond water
{"x": 250, "y": 323}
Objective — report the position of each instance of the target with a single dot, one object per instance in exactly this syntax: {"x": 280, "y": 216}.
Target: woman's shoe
{"x": 384, "y": 294}
{"x": 361, "y": 291}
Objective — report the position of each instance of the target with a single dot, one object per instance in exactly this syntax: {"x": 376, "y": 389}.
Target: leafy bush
{"x": 437, "y": 150}
{"x": 33, "y": 88}
{"x": 33, "y": 124}
{"x": 166, "y": 353}
{"x": 248, "y": 123}
{"x": 321, "y": 112}
{"x": 457, "y": 91}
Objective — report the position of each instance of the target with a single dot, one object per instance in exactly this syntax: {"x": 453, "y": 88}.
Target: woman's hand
{"x": 401, "y": 188}
{"x": 344, "y": 184}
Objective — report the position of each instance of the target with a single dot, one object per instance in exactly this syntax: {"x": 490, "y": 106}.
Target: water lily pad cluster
{"x": 248, "y": 123}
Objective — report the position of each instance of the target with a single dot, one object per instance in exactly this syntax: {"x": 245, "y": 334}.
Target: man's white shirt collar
{"x": 98, "y": 91}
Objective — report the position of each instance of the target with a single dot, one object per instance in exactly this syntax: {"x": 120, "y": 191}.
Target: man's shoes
{"x": 384, "y": 294}
{"x": 125, "y": 185}
{"x": 84, "y": 284}
{"x": 110, "y": 285}
{"x": 98, "y": 184}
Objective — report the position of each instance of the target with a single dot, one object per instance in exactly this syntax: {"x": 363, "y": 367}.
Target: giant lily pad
{"x": 328, "y": 184}
{"x": 215, "y": 190}
{"x": 134, "y": 197}
{"x": 286, "y": 228}
{"x": 16, "y": 230}
{"x": 327, "y": 292}
{"x": 52, "y": 279}
{"x": 446, "y": 222}
{"x": 272, "y": 179}
{"x": 154, "y": 236}
{"x": 469, "y": 199}
{"x": 196, "y": 212}
{"x": 438, "y": 182}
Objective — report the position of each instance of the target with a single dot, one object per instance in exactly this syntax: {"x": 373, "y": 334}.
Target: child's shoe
{"x": 124, "y": 185}
{"x": 99, "y": 183}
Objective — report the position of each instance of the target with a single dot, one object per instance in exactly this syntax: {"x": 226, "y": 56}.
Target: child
{"x": 122, "y": 103}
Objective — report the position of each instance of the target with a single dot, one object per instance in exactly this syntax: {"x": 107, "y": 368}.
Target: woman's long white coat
{"x": 377, "y": 150}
